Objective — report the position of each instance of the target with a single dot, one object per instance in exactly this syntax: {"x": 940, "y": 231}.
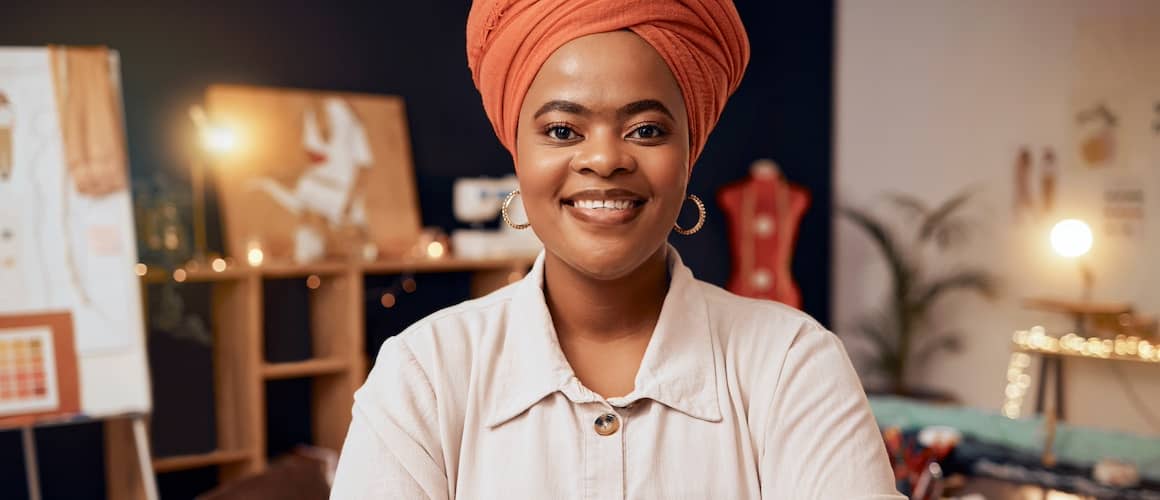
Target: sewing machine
{"x": 479, "y": 200}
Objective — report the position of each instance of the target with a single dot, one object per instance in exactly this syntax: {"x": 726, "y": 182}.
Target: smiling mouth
{"x": 604, "y": 204}
{"x": 604, "y": 207}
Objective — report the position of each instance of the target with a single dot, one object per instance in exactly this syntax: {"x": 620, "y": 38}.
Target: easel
{"x": 147, "y": 484}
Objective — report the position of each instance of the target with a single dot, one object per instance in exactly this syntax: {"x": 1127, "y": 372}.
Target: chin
{"x": 605, "y": 260}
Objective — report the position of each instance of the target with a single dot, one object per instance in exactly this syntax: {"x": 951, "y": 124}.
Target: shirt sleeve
{"x": 392, "y": 450}
{"x": 821, "y": 440}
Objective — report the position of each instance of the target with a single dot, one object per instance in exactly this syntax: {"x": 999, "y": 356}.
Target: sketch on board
{"x": 316, "y": 174}
{"x": 326, "y": 187}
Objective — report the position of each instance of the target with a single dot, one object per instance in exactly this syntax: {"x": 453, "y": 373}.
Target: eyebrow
{"x": 638, "y": 107}
{"x": 562, "y": 106}
{"x": 630, "y": 109}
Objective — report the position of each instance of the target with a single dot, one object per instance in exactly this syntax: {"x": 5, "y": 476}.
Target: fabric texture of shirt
{"x": 735, "y": 398}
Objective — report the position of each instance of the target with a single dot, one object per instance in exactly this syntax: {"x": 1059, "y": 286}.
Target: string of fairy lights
{"x": 388, "y": 296}
{"x": 1122, "y": 347}
{"x": 1037, "y": 340}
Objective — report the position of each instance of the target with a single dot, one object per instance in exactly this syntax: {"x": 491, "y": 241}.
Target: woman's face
{"x": 602, "y": 153}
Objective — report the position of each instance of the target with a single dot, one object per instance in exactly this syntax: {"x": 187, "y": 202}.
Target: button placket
{"x": 605, "y": 455}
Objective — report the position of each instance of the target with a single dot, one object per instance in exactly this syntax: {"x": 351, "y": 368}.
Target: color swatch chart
{"x": 27, "y": 371}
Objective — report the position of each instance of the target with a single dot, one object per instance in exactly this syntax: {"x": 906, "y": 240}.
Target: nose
{"x": 603, "y": 154}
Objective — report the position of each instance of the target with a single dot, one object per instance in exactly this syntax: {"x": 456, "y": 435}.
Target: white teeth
{"x": 605, "y": 204}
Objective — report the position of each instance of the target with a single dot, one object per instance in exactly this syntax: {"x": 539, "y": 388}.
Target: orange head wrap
{"x": 702, "y": 41}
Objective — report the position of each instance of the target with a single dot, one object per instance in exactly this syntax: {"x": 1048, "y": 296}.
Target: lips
{"x": 604, "y": 207}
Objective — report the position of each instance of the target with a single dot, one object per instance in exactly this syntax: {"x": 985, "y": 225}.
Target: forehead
{"x": 605, "y": 69}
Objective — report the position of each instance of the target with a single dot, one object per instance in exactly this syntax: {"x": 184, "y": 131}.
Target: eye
{"x": 647, "y": 131}
{"x": 561, "y": 132}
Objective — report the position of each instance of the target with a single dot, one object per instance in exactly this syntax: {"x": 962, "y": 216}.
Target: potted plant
{"x": 902, "y": 331}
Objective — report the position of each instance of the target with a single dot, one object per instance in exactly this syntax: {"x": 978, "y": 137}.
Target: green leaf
{"x": 914, "y": 207}
{"x": 896, "y": 260}
{"x": 881, "y": 330}
{"x": 936, "y": 221}
{"x": 950, "y": 342}
{"x": 968, "y": 280}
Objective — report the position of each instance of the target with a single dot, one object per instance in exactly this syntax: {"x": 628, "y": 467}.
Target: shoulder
{"x": 765, "y": 342}
{"x": 737, "y": 319}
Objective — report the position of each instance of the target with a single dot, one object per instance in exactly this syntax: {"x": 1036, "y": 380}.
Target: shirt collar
{"x": 678, "y": 369}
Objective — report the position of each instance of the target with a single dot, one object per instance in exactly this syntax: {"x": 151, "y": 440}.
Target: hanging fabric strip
{"x": 90, "y": 119}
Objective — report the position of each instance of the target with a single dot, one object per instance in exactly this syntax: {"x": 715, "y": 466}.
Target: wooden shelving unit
{"x": 338, "y": 366}
{"x": 185, "y": 462}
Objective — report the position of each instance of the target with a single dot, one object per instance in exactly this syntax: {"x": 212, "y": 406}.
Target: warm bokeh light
{"x": 219, "y": 139}
{"x": 313, "y": 282}
{"x": 218, "y": 264}
{"x": 388, "y": 300}
{"x": 141, "y": 269}
{"x": 255, "y": 256}
{"x": 179, "y": 275}
{"x": 435, "y": 250}
{"x": 1071, "y": 238}
{"x": 216, "y": 137}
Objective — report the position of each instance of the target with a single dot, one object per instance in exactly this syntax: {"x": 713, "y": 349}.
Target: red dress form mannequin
{"x": 764, "y": 211}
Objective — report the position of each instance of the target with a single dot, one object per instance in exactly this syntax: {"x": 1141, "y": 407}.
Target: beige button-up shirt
{"x": 735, "y": 399}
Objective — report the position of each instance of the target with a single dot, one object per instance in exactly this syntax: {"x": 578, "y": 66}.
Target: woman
{"x": 609, "y": 371}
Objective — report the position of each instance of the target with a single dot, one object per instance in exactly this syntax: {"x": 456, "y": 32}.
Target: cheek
{"x": 541, "y": 173}
{"x": 668, "y": 172}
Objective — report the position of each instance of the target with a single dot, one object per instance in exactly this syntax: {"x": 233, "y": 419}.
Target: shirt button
{"x": 607, "y": 424}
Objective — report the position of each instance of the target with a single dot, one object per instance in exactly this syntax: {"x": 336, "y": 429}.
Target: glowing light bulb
{"x": 1071, "y": 238}
{"x": 219, "y": 139}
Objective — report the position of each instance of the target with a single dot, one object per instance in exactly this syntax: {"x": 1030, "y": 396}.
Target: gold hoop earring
{"x": 700, "y": 218}
{"x": 508, "y": 220}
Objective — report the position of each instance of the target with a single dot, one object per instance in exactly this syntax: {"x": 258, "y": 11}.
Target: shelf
{"x": 185, "y": 462}
{"x": 1078, "y": 307}
{"x": 450, "y": 264}
{"x": 158, "y": 275}
{"x": 1078, "y": 355}
{"x": 308, "y": 368}
{"x": 204, "y": 274}
{"x": 290, "y": 270}
{"x": 1122, "y": 348}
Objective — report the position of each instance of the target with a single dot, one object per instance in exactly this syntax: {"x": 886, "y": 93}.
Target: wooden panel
{"x": 185, "y": 462}
{"x": 280, "y": 176}
{"x": 310, "y": 367}
{"x": 238, "y": 389}
{"x": 337, "y": 328}
{"x": 122, "y": 472}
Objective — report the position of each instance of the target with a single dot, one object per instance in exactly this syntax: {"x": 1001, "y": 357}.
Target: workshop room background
{"x": 171, "y": 52}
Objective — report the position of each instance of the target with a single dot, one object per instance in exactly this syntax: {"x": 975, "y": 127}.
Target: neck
{"x": 605, "y": 310}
